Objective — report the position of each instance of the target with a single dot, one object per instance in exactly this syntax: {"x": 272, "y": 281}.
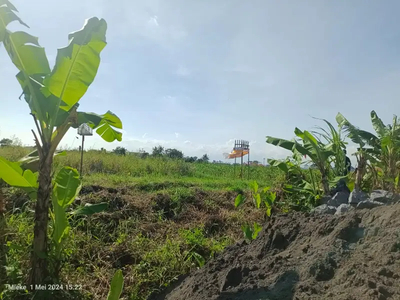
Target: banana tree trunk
{"x": 392, "y": 171}
{"x": 324, "y": 180}
{"x": 325, "y": 185}
{"x": 3, "y": 249}
{"x": 39, "y": 271}
{"x": 360, "y": 172}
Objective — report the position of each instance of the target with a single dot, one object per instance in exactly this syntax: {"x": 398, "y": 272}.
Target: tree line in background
{"x": 160, "y": 151}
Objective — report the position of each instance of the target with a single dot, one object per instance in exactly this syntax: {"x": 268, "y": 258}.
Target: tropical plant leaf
{"x": 13, "y": 175}
{"x": 269, "y": 211}
{"x": 248, "y": 232}
{"x": 256, "y": 230}
{"x": 288, "y": 145}
{"x": 26, "y": 53}
{"x": 31, "y": 160}
{"x": 378, "y": 125}
{"x": 77, "y": 64}
{"x": 67, "y": 185}
{"x": 61, "y": 224}
{"x": 7, "y": 15}
{"x": 257, "y": 199}
{"x": 266, "y": 189}
{"x": 254, "y": 186}
{"x": 239, "y": 200}
{"x": 199, "y": 259}
{"x": 117, "y": 285}
{"x": 280, "y": 164}
{"x": 8, "y": 4}
{"x": 90, "y": 209}
{"x": 103, "y": 124}
{"x": 352, "y": 132}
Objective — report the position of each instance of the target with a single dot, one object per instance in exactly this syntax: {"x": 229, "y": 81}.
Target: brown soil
{"x": 299, "y": 256}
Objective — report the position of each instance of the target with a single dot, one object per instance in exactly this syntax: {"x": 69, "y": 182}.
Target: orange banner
{"x": 238, "y": 153}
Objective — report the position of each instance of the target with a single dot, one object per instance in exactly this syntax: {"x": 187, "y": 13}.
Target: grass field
{"x": 165, "y": 218}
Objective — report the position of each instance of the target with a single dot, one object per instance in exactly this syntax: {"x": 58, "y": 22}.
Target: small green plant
{"x": 251, "y": 233}
{"x": 117, "y": 285}
{"x": 261, "y": 198}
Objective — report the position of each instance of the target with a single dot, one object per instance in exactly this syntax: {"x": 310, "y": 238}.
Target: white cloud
{"x": 177, "y": 135}
{"x": 153, "y": 21}
{"x": 144, "y": 135}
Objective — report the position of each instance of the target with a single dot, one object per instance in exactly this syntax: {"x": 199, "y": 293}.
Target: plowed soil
{"x": 299, "y": 256}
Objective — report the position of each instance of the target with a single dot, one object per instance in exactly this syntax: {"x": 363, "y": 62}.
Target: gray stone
{"x": 383, "y": 196}
{"x": 324, "y": 209}
{"x": 357, "y": 196}
{"x": 368, "y": 204}
{"x": 343, "y": 208}
{"x": 339, "y": 199}
{"x": 325, "y": 200}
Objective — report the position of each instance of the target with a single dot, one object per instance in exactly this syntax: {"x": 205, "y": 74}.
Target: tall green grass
{"x": 117, "y": 169}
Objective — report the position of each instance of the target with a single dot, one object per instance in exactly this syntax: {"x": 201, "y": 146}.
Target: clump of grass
{"x": 13, "y": 153}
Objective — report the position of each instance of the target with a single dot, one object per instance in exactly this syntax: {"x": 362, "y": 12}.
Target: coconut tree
{"x": 53, "y": 97}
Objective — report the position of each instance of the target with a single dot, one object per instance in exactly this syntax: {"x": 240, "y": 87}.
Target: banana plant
{"x": 380, "y": 152}
{"x": 335, "y": 141}
{"x": 386, "y": 151}
{"x": 318, "y": 152}
{"x": 53, "y": 97}
{"x": 362, "y": 139}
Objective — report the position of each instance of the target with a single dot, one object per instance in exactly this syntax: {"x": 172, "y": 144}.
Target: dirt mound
{"x": 300, "y": 256}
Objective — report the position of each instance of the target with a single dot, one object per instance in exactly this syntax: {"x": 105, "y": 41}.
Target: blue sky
{"x": 195, "y": 75}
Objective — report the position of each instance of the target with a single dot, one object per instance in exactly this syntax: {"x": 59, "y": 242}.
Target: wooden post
{"x": 241, "y": 171}
{"x": 83, "y": 142}
{"x": 234, "y": 169}
{"x": 248, "y": 165}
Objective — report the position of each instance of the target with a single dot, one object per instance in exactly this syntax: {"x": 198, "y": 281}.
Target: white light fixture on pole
{"x": 84, "y": 130}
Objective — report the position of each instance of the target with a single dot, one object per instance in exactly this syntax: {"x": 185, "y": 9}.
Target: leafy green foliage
{"x": 239, "y": 200}
{"x": 315, "y": 150}
{"x": 77, "y": 64}
{"x": 158, "y": 151}
{"x": 117, "y": 285}
{"x": 103, "y": 124}
{"x": 90, "y": 209}
{"x": 66, "y": 186}
{"x": 5, "y": 142}
{"x": 15, "y": 176}
{"x": 265, "y": 197}
{"x": 120, "y": 151}
{"x": 174, "y": 153}
{"x": 251, "y": 233}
